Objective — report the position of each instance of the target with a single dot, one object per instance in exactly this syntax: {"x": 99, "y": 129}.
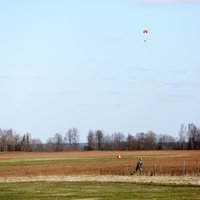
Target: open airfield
{"x": 99, "y": 175}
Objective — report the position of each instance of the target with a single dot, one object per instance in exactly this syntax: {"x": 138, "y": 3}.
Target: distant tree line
{"x": 188, "y": 139}
{"x": 11, "y": 141}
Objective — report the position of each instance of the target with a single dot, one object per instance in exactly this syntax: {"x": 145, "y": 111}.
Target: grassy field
{"x": 14, "y": 163}
{"x": 94, "y": 190}
{"x": 101, "y": 162}
{"x": 54, "y": 169}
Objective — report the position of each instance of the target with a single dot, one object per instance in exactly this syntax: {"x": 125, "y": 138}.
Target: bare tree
{"x": 108, "y": 143}
{"x": 99, "y": 139}
{"x": 36, "y": 145}
{"x": 130, "y": 140}
{"x": 2, "y": 140}
{"x": 58, "y": 142}
{"x": 182, "y": 137}
{"x": 10, "y": 142}
{"x": 75, "y": 137}
{"x": 50, "y": 144}
{"x": 193, "y": 137}
{"x": 17, "y": 139}
{"x": 71, "y": 139}
{"x": 166, "y": 142}
{"x": 118, "y": 140}
{"x": 25, "y": 142}
{"x": 150, "y": 141}
{"x": 91, "y": 140}
{"x": 9, "y": 139}
{"x": 140, "y": 141}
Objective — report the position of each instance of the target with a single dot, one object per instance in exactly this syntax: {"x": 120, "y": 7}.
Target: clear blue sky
{"x": 84, "y": 64}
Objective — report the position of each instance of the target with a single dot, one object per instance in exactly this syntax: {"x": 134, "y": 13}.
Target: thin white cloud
{"x": 154, "y": 2}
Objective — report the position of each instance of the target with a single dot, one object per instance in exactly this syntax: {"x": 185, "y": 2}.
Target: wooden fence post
{"x": 160, "y": 170}
{"x": 155, "y": 169}
{"x": 170, "y": 169}
{"x": 184, "y": 167}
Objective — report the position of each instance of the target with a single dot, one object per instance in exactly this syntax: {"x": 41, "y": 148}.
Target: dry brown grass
{"x": 163, "y": 180}
{"x": 154, "y": 163}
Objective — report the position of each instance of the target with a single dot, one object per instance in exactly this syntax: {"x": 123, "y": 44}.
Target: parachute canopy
{"x": 145, "y": 31}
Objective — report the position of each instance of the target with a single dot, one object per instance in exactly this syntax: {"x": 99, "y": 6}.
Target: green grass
{"x": 31, "y": 162}
{"x": 15, "y": 163}
{"x": 94, "y": 190}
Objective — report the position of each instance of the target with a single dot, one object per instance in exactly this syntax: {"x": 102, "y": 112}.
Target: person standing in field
{"x": 139, "y": 166}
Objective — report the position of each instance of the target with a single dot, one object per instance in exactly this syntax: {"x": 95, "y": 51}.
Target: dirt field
{"x": 155, "y": 163}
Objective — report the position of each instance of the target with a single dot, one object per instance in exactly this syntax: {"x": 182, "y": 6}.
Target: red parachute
{"x": 145, "y": 31}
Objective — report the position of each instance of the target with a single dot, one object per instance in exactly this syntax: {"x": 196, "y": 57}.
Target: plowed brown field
{"x": 157, "y": 163}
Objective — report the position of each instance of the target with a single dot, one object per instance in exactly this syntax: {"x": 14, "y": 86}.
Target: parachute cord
{"x": 145, "y": 53}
